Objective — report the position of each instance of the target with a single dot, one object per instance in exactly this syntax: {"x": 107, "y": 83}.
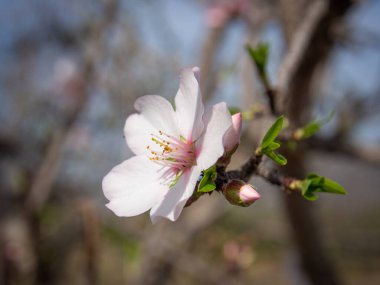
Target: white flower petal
{"x": 155, "y": 113}
{"x": 159, "y": 112}
{"x": 210, "y": 146}
{"x": 137, "y": 133}
{"x": 172, "y": 204}
{"x": 189, "y": 106}
{"x": 133, "y": 186}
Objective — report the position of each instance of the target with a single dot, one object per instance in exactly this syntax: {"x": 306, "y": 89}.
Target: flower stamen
{"x": 177, "y": 154}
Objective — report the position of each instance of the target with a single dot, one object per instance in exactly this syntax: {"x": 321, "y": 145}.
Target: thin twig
{"x": 247, "y": 170}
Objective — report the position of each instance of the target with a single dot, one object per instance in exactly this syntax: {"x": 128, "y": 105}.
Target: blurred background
{"x": 69, "y": 74}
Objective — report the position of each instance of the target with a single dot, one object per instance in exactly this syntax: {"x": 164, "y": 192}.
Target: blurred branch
{"x": 91, "y": 239}
{"x": 296, "y": 53}
{"x": 207, "y": 61}
{"x": 299, "y": 47}
{"x": 333, "y": 145}
{"x": 160, "y": 259}
{"x": 9, "y": 146}
{"x": 91, "y": 47}
{"x": 311, "y": 47}
{"x": 45, "y": 174}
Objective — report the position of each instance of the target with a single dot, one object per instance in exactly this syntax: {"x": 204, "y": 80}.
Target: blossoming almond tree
{"x": 172, "y": 147}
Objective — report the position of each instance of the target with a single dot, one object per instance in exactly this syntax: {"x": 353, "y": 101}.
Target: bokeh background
{"x": 69, "y": 74}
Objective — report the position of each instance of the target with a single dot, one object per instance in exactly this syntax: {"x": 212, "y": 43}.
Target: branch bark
{"x": 310, "y": 46}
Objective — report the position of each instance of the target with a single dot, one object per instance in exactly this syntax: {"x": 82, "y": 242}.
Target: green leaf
{"x": 306, "y": 190}
{"x": 207, "y": 188}
{"x": 309, "y": 195}
{"x": 274, "y": 145}
{"x": 315, "y": 183}
{"x": 269, "y": 144}
{"x": 259, "y": 56}
{"x": 272, "y": 133}
{"x": 234, "y": 110}
{"x": 305, "y": 186}
{"x": 313, "y": 176}
{"x": 276, "y": 157}
{"x": 331, "y": 186}
{"x": 312, "y": 128}
{"x": 207, "y": 183}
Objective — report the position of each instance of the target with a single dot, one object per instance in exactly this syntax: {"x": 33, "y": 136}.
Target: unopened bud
{"x": 239, "y": 193}
{"x": 231, "y": 140}
{"x": 299, "y": 134}
{"x": 232, "y": 136}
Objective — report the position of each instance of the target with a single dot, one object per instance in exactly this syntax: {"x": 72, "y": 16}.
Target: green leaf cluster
{"x": 311, "y": 128}
{"x": 207, "y": 183}
{"x": 269, "y": 143}
{"x": 316, "y": 183}
{"x": 259, "y": 56}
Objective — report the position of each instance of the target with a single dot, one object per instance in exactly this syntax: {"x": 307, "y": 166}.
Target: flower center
{"x": 177, "y": 154}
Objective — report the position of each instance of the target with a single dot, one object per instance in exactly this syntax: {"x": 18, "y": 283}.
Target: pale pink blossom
{"x": 248, "y": 194}
{"x": 171, "y": 147}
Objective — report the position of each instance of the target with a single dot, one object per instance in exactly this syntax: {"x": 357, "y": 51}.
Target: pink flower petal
{"x": 189, "y": 106}
{"x": 133, "y": 186}
{"x": 248, "y": 194}
{"x": 172, "y": 204}
{"x": 232, "y": 136}
{"x": 210, "y": 146}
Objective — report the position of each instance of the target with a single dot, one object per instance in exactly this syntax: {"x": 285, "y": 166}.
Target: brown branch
{"x": 249, "y": 168}
{"x": 91, "y": 239}
{"x": 45, "y": 175}
{"x": 311, "y": 46}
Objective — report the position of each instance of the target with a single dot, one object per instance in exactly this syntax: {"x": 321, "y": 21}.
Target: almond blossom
{"x": 172, "y": 146}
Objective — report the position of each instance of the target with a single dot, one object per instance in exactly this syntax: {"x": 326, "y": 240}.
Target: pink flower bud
{"x": 232, "y": 137}
{"x": 239, "y": 193}
{"x": 231, "y": 140}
